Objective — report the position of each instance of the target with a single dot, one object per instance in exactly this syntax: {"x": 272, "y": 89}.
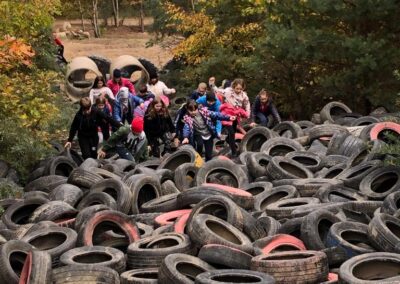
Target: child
{"x": 262, "y": 108}
{"x": 200, "y": 128}
{"x": 104, "y": 126}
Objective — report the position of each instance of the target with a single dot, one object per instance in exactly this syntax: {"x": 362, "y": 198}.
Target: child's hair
{"x": 96, "y": 81}
{"x": 192, "y": 105}
{"x": 210, "y": 97}
{"x": 85, "y": 103}
{"x": 151, "y": 111}
{"x": 238, "y": 81}
{"x": 263, "y": 92}
{"x": 100, "y": 101}
{"x": 142, "y": 88}
{"x": 202, "y": 85}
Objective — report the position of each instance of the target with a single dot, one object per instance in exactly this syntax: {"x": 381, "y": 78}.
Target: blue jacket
{"x": 215, "y": 107}
{"x": 196, "y": 95}
{"x": 270, "y": 109}
{"x": 133, "y": 102}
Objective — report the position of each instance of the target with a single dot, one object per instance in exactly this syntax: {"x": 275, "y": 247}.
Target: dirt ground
{"x": 124, "y": 40}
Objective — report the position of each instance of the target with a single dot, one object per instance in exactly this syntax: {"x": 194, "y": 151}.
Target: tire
{"x": 67, "y": 193}
{"x": 333, "y": 172}
{"x": 333, "y": 109}
{"x": 95, "y": 198}
{"x": 255, "y": 138}
{"x": 235, "y": 176}
{"x": 36, "y": 194}
{"x": 293, "y": 266}
{"x": 289, "y": 126}
{"x": 146, "y": 218}
{"x": 53, "y": 211}
{"x": 381, "y": 182}
{"x": 149, "y": 66}
{"x": 378, "y": 130}
{"x": 311, "y": 161}
{"x": 258, "y": 188}
{"x": 95, "y": 256}
{"x": 350, "y": 145}
{"x": 37, "y": 268}
{"x": 353, "y": 176}
{"x": 144, "y": 188}
{"x": 185, "y": 176}
{"x": 291, "y": 227}
{"x": 280, "y": 146}
{"x": 18, "y": 214}
{"x": 181, "y": 223}
{"x": 144, "y": 230}
{"x": 351, "y": 237}
{"x": 117, "y": 190}
{"x": 315, "y": 228}
{"x": 283, "y": 208}
{"x": 150, "y": 252}
{"x": 336, "y": 142}
{"x": 318, "y": 148}
{"x": 185, "y": 154}
{"x": 274, "y": 194}
{"x": 333, "y": 160}
{"x": 89, "y": 163}
{"x": 54, "y": 240}
{"x": 238, "y": 275}
{"x": 35, "y": 174}
{"x": 364, "y": 121}
{"x": 169, "y": 217}
{"x": 124, "y": 165}
{"x": 309, "y": 187}
{"x": 383, "y": 233}
{"x": 257, "y": 164}
{"x": 391, "y": 203}
{"x": 207, "y": 229}
{"x": 225, "y": 257}
{"x": 103, "y": 64}
{"x": 164, "y": 203}
{"x": 45, "y": 183}
{"x": 87, "y": 274}
{"x": 277, "y": 243}
{"x": 285, "y": 168}
{"x": 84, "y": 179}
{"x": 376, "y": 267}
{"x": 12, "y": 257}
{"x": 140, "y": 276}
{"x": 83, "y": 215}
{"x": 336, "y": 193}
{"x": 168, "y": 187}
{"x": 60, "y": 166}
{"x": 325, "y": 130}
{"x": 103, "y": 221}
{"x": 107, "y": 174}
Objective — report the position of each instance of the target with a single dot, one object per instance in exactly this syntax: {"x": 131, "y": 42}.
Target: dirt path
{"x": 115, "y": 42}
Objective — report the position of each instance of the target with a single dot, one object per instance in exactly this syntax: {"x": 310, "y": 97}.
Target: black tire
{"x": 95, "y": 198}
{"x": 150, "y": 252}
{"x": 88, "y": 274}
{"x": 333, "y": 172}
{"x": 35, "y": 174}
{"x": 257, "y": 164}
{"x": 317, "y": 147}
{"x": 258, "y": 188}
{"x": 164, "y": 175}
{"x": 280, "y": 146}
{"x": 45, "y": 183}
{"x": 89, "y": 163}
{"x": 292, "y": 227}
{"x": 289, "y": 126}
{"x": 383, "y": 233}
{"x": 117, "y": 190}
{"x": 255, "y": 138}
{"x": 285, "y": 168}
{"x": 293, "y": 266}
{"x": 12, "y": 258}
{"x": 54, "y": 240}
{"x": 391, "y": 203}
{"x": 315, "y": 228}
{"x": 185, "y": 176}
{"x": 95, "y": 256}
{"x": 40, "y": 268}
{"x": 283, "y": 208}
{"x": 336, "y": 142}
{"x": 85, "y": 214}
{"x": 149, "y": 66}
{"x": 185, "y": 154}
{"x": 333, "y": 160}
{"x": 353, "y": 176}
{"x": 353, "y": 216}
{"x": 350, "y": 145}
{"x": 225, "y": 257}
{"x": 269, "y": 225}
{"x": 168, "y": 187}
{"x": 103, "y": 64}
{"x": 60, "y": 165}
{"x": 207, "y": 229}
{"x": 381, "y": 182}
{"x": 311, "y": 161}
{"x": 236, "y": 176}
{"x": 53, "y": 211}
{"x": 124, "y": 165}
{"x": 310, "y": 186}
{"x": 364, "y": 121}
{"x": 238, "y": 275}
{"x": 325, "y": 130}
{"x": 274, "y": 194}
{"x": 164, "y": 203}
{"x": 376, "y": 267}
{"x": 36, "y": 194}
{"x": 144, "y": 188}
{"x": 83, "y": 178}
{"x": 145, "y": 230}
{"x": 19, "y": 213}
{"x": 140, "y": 276}
{"x": 67, "y": 193}
{"x": 337, "y": 193}
{"x": 333, "y": 109}
{"x": 352, "y": 237}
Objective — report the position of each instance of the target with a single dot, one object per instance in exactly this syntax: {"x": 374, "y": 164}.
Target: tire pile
{"x": 303, "y": 203}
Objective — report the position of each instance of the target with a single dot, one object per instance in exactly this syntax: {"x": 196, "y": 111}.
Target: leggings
{"x": 208, "y": 145}
{"x": 231, "y": 137}
{"x": 88, "y": 145}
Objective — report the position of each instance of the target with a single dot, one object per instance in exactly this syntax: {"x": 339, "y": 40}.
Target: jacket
{"x": 157, "y": 127}
{"x": 195, "y": 95}
{"x": 270, "y": 109}
{"x": 228, "y": 109}
{"x": 241, "y": 100}
{"x": 123, "y": 83}
{"x": 215, "y": 107}
{"x": 124, "y": 137}
{"x": 179, "y": 122}
{"x": 86, "y": 126}
{"x": 146, "y": 97}
{"x": 209, "y": 118}
{"x": 133, "y": 101}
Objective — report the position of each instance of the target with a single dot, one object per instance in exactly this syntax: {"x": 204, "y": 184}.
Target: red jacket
{"x": 228, "y": 109}
{"x": 123, "y": 83}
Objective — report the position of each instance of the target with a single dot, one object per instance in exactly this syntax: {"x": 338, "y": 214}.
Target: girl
{"x": 200, "y": 128}
{"x": 101, "y": 90}
{"x": 104, "y": 126}
{"x": 157, "y": 123}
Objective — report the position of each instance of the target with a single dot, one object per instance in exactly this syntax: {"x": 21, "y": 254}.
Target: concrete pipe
{"x": 130, "y": 66}
{"x": 81, "y": 72}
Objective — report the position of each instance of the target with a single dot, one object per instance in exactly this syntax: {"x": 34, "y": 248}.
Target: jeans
{"x": 208, "y": 145}
{"x": 231, "y": 137}
{"x": 124, "y": 153}
{"x": 263, "y": 120}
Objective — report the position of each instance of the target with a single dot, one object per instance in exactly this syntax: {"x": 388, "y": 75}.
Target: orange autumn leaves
{"x": 14, "y": 53}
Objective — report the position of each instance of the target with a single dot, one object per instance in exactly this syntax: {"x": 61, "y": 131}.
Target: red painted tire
{"x": 379, "y": 127}
{"x": 180, "y": 224}
{"x": 26, "y": 269}
{"x": 239, "y": 136}
{"x": 67, "y": 223}
{"x": 269, "y": 244}
{"x": 222, "y": 157}
{"x": 229, "y": 189}
{"x": 169, "y": 217}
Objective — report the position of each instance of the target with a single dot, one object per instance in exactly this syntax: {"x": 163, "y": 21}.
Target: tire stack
{"x": 307, "y": 203}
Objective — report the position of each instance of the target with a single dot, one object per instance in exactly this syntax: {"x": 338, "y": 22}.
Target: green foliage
{"x": 9, "y": 189}
{"x": 392, "y": 149}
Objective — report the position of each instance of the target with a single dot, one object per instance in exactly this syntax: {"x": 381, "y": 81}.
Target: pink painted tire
{"x": 274, "y": 243}
{"x": 169, "y": 217}
{"x": 380, "y": 127}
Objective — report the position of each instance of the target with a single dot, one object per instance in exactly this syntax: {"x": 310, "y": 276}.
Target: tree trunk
{"x": 115, "y": 4}
{"x": 141, "y": 18}
{"x": 81, "y": 12}
{"x": 192, "y": 4}
{"x": 95, "y": 19}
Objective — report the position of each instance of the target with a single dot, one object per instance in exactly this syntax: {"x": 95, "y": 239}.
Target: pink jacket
{"x": 228, "y": 109}
{"x": 123, "y": 83}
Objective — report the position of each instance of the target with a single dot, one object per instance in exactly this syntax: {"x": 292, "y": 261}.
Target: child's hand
{"x": 101, "y": 154}
{"x": 211, "y": 81}
{"x": 252, "y": 124}
{"x": 185, "y": 141}
{"x": 142, "y": 105}
{"x": 67, "y": 145}
{"x": 232, "y": 118}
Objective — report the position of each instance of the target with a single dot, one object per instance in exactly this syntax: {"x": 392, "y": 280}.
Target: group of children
{"x": 140, "y": 121}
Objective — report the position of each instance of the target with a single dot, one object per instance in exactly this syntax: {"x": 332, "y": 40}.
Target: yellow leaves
{"x": 14, "y": 53}
{"x": 240, "y": 37}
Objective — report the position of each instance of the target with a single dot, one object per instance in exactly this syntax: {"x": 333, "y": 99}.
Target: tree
{"x": 115, "y": 4}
